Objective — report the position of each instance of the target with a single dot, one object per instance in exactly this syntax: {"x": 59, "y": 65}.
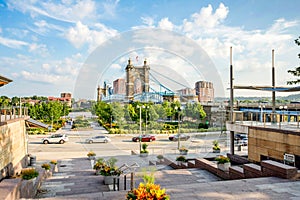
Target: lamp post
{"x": 178, "y": 109}
{"x": 140, "y": 107}
{"x": 146, "y": 107}
{"x": 222, "y": 109}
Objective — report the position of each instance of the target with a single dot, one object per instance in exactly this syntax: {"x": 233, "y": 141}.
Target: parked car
{"x": 144, "y": 138}
{"x": 56, "y": 138}
{"x": 244, "y": 142}
{"x": 183, "y": 137}
{"x": 240, "y": 136}
{"x": 100, "y": 138}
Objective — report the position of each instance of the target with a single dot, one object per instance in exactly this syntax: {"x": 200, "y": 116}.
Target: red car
{"x": 144, "y": 138}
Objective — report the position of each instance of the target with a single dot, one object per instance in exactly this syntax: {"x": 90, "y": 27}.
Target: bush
{"x": 29, "y": 173}
{"x": 53, "y": 162}
{"x": 148, "y": 190}
{"x": 91, "y": 153}
{"x": 222, "y": 159}
{"x": 144, "y": 147}
{"x": 46, "y": 166}
{"x": 181, "y": 158}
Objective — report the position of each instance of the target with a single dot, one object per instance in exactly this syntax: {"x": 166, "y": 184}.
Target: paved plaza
{"x": 76, "y": 180}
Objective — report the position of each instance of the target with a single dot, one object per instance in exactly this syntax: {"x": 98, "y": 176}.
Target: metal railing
{"x": 10, "y": 113}
{"x": 281, "y": 120}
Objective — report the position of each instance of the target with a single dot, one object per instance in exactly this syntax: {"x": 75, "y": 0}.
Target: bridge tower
{"x": 137, "y": 79}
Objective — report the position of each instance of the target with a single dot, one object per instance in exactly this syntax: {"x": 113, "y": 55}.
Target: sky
{"x": 48, "y": 46}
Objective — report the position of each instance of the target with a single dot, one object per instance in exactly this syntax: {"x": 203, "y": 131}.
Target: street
{"x": 119, "y": 145}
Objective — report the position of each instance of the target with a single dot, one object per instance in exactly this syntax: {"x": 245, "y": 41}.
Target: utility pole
{"x": 231, "y": 104}
{"x": 273, "y": 92}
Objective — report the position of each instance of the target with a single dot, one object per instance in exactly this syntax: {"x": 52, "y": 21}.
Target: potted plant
{"x": 223, "y": 163}
{"x": 180, "y": 160}
{"x": 91, "y": 155}
{"x": 46, "y": 166}
{"x": 54, "y": 163}
{"x": 108, "y": 169}
{"x": 148, "y": 190}
{"x": 216, "y": 147}
{"x": 160, "y": 158}
{"x": 144, "y": 152}
{"x": 183, "y": 150}
{"x": 29, "y": 173}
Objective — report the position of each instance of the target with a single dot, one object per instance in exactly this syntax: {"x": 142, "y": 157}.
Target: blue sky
{"x": 45, "y": 44}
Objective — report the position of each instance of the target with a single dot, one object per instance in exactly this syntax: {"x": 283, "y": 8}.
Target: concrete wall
{"x": 13, "y": 147}
{"x": 272, "y": 143}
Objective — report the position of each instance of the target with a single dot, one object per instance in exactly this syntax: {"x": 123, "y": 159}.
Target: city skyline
{"x": 44, "y": 45}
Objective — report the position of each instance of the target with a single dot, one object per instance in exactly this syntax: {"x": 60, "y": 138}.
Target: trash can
{"x": 32, "y": 160}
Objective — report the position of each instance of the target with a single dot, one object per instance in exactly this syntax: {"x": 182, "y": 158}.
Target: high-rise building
{"x": 119, "y": 86}
{"x": 204, "y": 91}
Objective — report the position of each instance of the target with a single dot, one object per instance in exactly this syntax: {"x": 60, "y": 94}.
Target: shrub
{"x": 29, "y": 173}
{"x": 91, "y": 153}
{"x": 107, "y": 167}
{"x": 222, "y": 159}
{"x": 159, "y": 156}
{"x": 53, "y": 162}
{"x": 144, "y": 147}
{"x": 148, "y": 190}
{"x": 46, "y": 166}
{"x": 216, "y": 145}
{"x": 181, "y": 158}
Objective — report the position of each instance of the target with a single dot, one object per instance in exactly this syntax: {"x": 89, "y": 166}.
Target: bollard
{"x": 124, "y": 182}
{"x": 131, "y": 181}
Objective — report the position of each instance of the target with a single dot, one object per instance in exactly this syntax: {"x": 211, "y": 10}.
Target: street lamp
{"x": 178, "y": 109}
{"x": 140, "y": 107}
{"x": 146, "y": 107}
{"x": 222, "y": 109}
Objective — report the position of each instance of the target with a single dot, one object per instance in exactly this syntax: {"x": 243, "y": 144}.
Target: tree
{"x": 296, "y": 71}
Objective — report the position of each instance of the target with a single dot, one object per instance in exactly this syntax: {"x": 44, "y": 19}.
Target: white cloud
{"x": 148, "y": 21}
{"x": 81, "y": 34}
{"x": 206, "y": 18}
{"x": 11, "y": 43}
{"x": 40, "y": 49}
{"x": 69, "y": 11}
{"x": 110, "y": 8}
{"x": 116, "y": 66}
{"x": 165, "y": 24}
{"x": 40, "y": 77}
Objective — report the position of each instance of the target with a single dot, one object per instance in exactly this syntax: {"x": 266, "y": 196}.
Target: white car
{"x": 55, "y": 138}
{"x": 100, "y": 138}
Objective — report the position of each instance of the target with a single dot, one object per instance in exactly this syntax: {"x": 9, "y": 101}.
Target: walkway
{"x": 76, "y": 180}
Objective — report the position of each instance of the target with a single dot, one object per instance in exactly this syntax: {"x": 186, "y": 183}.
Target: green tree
{"x": 117, "y": 111}
{"x": 296, "y": 71}
{"x": 4, "y": 101}
{"x": 103, "y": 111}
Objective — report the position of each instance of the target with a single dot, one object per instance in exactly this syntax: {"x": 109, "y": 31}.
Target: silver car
{"x": 100, "y": 138}
{"x": 55, "y": 138}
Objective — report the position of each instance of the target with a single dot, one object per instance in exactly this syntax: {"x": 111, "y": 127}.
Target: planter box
{"x": 216, "y": 151}
{"x": 92, "y": 157}
{"x": 109, "y": 180}
{"x": 224, "y": 167}
{"x": 144, "y": 154}
{"x": 183, "y": 152}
